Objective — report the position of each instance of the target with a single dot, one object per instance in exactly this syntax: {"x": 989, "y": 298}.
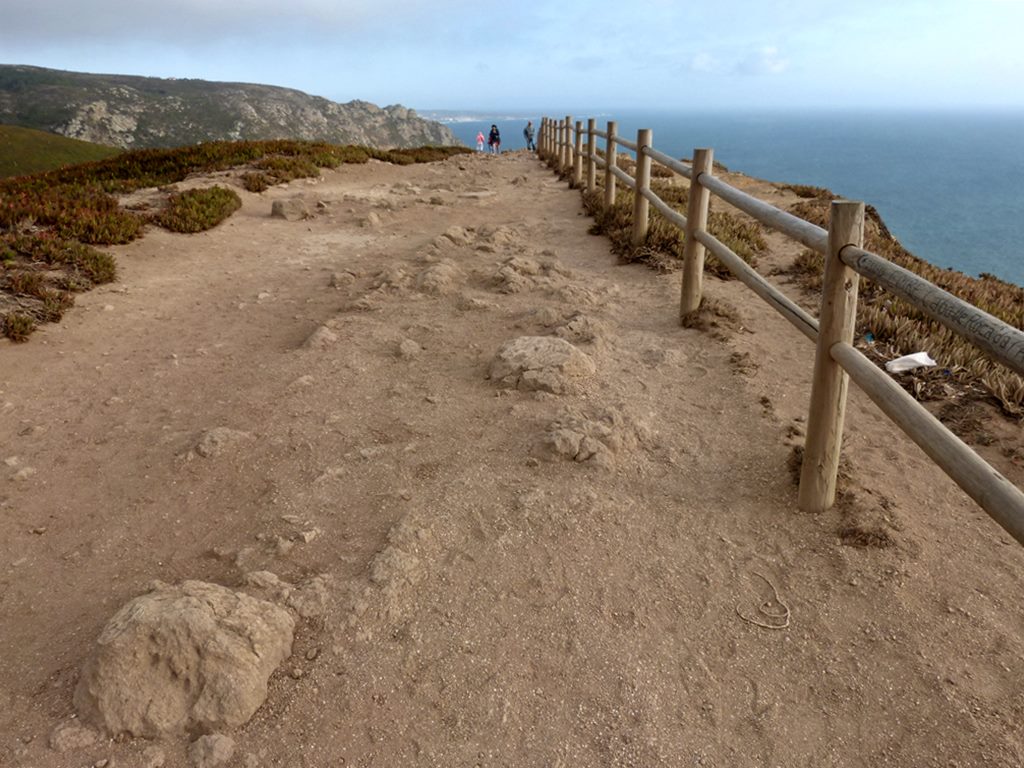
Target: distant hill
{"x": 135, "y": 112}
{"x": 25, "y": 150}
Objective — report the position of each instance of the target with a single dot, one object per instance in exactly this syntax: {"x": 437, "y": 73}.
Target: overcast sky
{"x": 550, "y": 54}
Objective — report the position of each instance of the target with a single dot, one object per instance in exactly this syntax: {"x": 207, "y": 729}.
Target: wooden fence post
{"x": 577, "y": 163}
{"x": 556, "y": 155}
{"x": 609, "y": 163}
{"x": 541, "y": 136}
{"x": 836, "y": 323}
{"x": 696, "y": 221}
{"x": 641, "y": 205}
{"x": 567, "y": 147}
{"x": 591, "y": 148}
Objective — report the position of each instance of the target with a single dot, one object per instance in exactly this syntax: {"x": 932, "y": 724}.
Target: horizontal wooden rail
{"x": 598, "y": 160}
{"x": 669, "y": 162}
{"x": 625, "y": 143}
{"x": 624, "y": 177}
{"x": 599, "y": 132}
{"x": 802, "y": 231}
{"x": 747, "y": 275}
{"x": 1000, "y": 340}
{"x": 666, "y": 210}
{"x": 993, "y": 492}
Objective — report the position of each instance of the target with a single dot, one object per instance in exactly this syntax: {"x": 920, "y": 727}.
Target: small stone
{"x": 283, "y": 546}
{"x": 321, "y": 338}
{"x": 409, "y": 349}
{"x": 296, "y": 673}
{"x": 312, "y": 653}
{"x": 23, "y": 474}
{"x": 39, "y": 530}
{"x": 12, "y": 461}
{"x": 108, "y": 307}
{"x": 289, "y": 210}
{"x": 342, "y": 279}
{"x": 310, "y": 535}
{"x": 70, "y": 735}
{"x": 215, "y": 441}
{"x": 211, "y": 751}
{"x": 153, "y": 757}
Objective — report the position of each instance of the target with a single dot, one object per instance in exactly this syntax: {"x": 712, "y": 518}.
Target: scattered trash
{"x": 910, "y": 362}
{"x": 869, "y": 338}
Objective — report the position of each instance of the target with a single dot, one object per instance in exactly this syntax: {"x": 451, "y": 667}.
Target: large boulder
{"x": 540, "y": 363}
{"x": 193, "y": 658}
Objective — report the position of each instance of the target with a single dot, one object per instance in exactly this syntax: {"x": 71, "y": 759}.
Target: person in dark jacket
{"x": 494, "y": 140}
{"x": 528, "y": 135}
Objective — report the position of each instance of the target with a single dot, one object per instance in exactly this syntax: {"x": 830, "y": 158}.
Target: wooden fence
{"x": 561, "y": 145}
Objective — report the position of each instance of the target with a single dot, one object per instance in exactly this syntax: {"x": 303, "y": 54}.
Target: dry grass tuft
{"x": 662, "y": 249}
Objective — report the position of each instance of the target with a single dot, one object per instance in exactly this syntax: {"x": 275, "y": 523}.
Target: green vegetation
{"x": 196, "y": 210}
{"x": 49, "y": 221}
{"x": 25, "y": 151}
{"x": 900, "y": 328}
{"x": 663, "y": 246}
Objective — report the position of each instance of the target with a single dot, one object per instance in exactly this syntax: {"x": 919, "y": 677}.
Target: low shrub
{"x": 196, "y": 210}
{"x": 17, "y": 326}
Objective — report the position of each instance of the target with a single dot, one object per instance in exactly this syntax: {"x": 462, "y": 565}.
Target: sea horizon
{"x": 949, "y": 184}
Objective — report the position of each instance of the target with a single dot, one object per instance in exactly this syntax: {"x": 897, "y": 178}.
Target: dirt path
{"x": 488, "y": 600}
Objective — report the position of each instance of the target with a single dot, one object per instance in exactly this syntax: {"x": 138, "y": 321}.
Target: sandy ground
{"x": 491, "y": 602}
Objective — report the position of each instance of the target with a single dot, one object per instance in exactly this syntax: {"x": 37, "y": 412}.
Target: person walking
{"x": 494, "y": 140}
{"x": 528, "y": 135}
{"x": 479, "y": 141}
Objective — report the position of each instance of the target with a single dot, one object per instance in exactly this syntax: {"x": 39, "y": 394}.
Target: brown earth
{"x": 658, "y": 601}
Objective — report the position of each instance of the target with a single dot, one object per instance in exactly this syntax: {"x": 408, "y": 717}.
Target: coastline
{"x": 912, "y": 167}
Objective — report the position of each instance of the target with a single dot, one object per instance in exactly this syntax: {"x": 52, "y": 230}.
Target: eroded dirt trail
{"x": 511, "y": 577}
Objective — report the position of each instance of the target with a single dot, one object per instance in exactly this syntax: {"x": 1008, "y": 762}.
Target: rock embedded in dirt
{"x": 215, "y": 441}
{"x": 458, "y": 235}
{"x": 540, "y": 363}
{"x": 322, "y": 338}
{"x": 439, "y": 279}
{"x": 293, "y": 209}
{"x": 593, "y": 438}
{"x": 211, "y": 751}
{"x": 71, "y": 735}
{"x": 581, "y": 329}
{"x": 189, "y": 658}
{"x": 409, "y": 349}
{"x": 153, "y": 757}
{"x": 521, "y": 273}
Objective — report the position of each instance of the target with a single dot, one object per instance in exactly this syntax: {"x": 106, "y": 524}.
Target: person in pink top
{"x": 480, "y": 141}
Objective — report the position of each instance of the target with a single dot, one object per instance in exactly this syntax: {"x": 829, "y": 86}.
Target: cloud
{"x": 705, "y": 63}
{"x": 765, "y": 60}
{"x": 187, "y": 22}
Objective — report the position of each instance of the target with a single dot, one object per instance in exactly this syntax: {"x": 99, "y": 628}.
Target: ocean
{"x": 950, "y": 186}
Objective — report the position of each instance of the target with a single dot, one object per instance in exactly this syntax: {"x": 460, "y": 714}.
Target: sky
{"x": 554, "y": 55}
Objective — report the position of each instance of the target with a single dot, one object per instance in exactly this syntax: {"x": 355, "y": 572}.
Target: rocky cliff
{"x": 133, "y": 112}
